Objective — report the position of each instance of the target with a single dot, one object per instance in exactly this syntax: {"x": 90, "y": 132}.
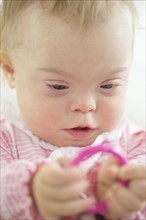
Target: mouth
{"x": 81, "y": 128}
{"x": 80, "y": 132}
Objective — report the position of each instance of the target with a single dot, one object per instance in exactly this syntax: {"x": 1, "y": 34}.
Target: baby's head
{"x": 69, "y": 62}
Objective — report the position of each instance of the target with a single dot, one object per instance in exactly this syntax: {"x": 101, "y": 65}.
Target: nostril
{"x": 84, "y": 104}
{"x": 85, "y": 109}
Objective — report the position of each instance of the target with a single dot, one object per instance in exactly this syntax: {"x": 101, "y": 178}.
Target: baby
{"x": 69, "y": 63}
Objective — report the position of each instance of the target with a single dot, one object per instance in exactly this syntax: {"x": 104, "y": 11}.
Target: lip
{"x": 80, "y": 133}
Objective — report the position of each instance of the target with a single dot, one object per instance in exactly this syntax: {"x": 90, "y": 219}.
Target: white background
{"x": 135, "y": 107}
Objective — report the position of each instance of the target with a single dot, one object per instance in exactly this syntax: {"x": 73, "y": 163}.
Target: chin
{"x": 83, "y": 144}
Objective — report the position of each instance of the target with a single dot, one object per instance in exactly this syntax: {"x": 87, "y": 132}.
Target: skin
{"x": 82, "y": 63}
{"x": 92, "y": 68}
{"x": 56, "y": 190}
{"x": 121, "y": 201}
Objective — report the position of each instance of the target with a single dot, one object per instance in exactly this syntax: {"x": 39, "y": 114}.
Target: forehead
{"x": 55, "y": 39}
{"x": 37, "y": 24}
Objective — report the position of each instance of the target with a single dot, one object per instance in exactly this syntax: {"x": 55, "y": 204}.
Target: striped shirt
{"x": 22, "y": 154}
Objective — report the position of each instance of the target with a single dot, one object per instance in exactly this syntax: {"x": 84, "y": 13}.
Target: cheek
{"x": 115, "y": 114}
{"x": 39, "y": 112}
{"x": 112, "y": 114}
{"x": 42, "y": 120}
{"x": 46, "y": 114}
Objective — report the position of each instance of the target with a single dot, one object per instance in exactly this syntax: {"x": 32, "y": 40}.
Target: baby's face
{"x": 71, "y": 84}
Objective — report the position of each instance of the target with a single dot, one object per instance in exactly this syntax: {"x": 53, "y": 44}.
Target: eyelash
{"x": 109, "y": 86}
{"x": 57, "y": 87}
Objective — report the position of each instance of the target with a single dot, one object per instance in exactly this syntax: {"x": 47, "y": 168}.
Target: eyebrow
{"x": 53, "y": 70}
{"x": 118, "y": 70}
{"x": 61, "y": 72}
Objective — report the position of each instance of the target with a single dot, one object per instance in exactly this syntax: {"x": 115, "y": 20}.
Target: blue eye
{"x": 58, "y": 87}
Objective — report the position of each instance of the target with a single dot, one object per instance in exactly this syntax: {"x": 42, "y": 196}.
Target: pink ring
{"x": 87, "y": 153}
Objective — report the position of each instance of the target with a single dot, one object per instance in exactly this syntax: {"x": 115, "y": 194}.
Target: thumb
{"x": 64, "y": 161}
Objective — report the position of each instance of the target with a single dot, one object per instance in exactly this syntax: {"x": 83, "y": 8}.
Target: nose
{"x": 84, "y": 105}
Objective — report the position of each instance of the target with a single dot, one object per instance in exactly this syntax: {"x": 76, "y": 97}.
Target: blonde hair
{"x": 83, "y": 12}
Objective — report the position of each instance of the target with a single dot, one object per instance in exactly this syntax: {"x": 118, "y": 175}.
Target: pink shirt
{"x": 21, "y": 155}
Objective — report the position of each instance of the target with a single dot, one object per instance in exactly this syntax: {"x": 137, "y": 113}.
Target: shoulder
{"x": 6, "y": 131}
{"x": 8, "y": 145}
{"x": 10, "y": 137}
{"x": 10, "y": 132}
{"x": 133, "y": 133}
{"x": 133, "y": 141}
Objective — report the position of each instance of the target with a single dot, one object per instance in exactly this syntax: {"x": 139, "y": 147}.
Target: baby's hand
{"x": 56, "y": 190}
{"x": 122, "y": 201}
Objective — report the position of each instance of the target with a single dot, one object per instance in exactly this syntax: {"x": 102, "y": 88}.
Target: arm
{"x": 15, "y": 194}
{"x": 52, "y": 189}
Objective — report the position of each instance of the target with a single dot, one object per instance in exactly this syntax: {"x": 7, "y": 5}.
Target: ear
{"x": 7, "y": 69}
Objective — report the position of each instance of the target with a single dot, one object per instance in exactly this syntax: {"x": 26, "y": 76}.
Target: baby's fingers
{"x": 127, "y": 199}
{"x": 108, "y": 172}
{"x": 138, "y": 187}
{"x": 67, "y": 192}
{"x": 133, "y": 171}
{"x": 121, "y": 202}
{"x": 71, "y": 207}
{"x": 56, "y": 175}
{"x": 114, "y": 208}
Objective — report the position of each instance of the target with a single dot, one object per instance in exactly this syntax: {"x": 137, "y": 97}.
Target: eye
{"x": 58, "y": 87}
{"x": 108, "y": 86}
